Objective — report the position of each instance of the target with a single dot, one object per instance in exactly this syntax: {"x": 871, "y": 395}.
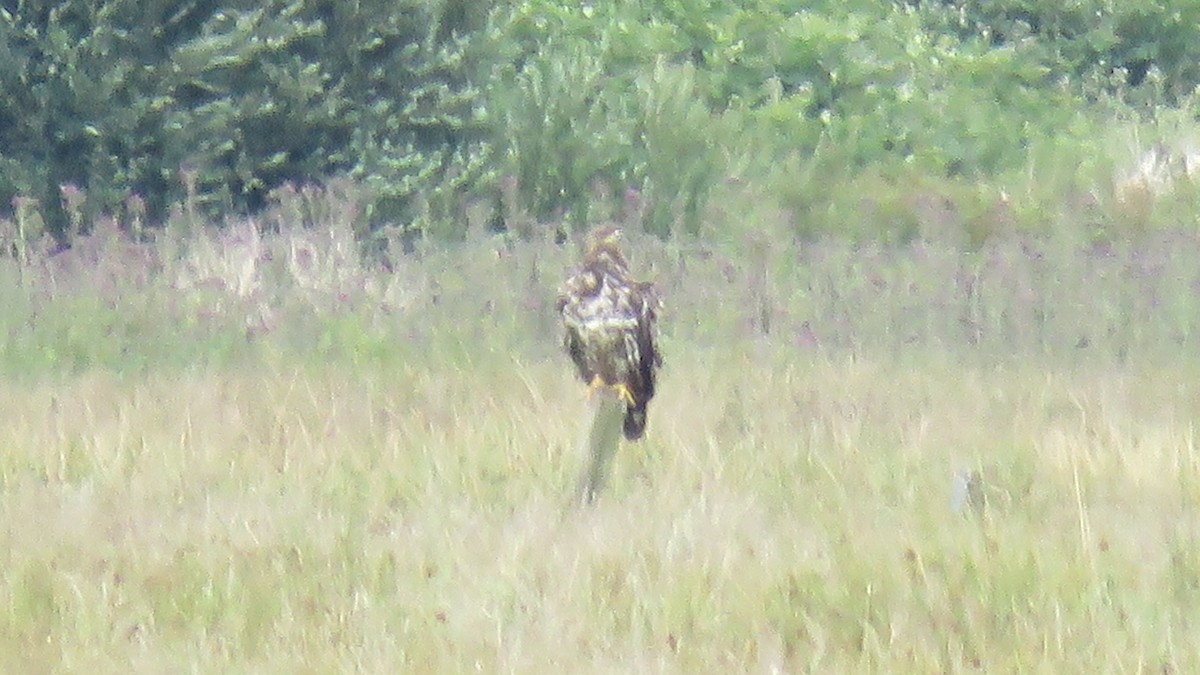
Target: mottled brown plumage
{"x": 610, "y": 327}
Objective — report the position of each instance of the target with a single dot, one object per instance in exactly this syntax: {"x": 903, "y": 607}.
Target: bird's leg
{"x": 619, "y": 389}
{"x": 596, "y": 385}
{"x": 624, "y": 394}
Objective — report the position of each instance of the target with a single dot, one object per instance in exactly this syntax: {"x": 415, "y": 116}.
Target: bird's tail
{"x": 635, "y": 421}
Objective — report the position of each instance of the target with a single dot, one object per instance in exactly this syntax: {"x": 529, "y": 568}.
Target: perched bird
{"x": 610, "y": 323}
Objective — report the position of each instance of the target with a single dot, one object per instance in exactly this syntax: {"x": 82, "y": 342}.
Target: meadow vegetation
{"x": 254, "y": 448}
{"x": 280, "y": 378}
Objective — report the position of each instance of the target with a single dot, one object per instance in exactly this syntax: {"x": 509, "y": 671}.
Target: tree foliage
{"x": 118, "y": 97}
{"x": 1100, "y": 45}
{"x": 424, "y": 103}
{"x": 597, "y": 90}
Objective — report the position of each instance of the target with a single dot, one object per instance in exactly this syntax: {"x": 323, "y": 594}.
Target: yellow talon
{"x": 596, "y": 385}
{"x": 619, "y": 389}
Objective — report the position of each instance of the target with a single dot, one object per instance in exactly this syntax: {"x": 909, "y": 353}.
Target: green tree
{"x": 119, "y": 96}
{"x": 115, "y": 96}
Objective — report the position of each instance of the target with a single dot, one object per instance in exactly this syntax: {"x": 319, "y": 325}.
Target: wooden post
{"x": 599, "y": 442}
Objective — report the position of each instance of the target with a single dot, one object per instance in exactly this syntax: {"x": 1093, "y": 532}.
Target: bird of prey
{"x": 610, "y": 321}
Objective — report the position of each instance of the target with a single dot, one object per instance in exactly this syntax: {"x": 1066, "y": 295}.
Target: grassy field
{"x": 262, "y": 454}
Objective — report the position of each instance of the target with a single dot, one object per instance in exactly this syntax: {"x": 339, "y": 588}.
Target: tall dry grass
{"x": 784, "y": 514}
{"x": 253, "y": 449}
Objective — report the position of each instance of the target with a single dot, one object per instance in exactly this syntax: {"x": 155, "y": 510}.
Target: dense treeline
{"x": 557, "y": 109}
{"x": 227, "y": 100}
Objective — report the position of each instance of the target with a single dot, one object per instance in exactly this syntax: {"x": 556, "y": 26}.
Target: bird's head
{"x": 604, "y": 247}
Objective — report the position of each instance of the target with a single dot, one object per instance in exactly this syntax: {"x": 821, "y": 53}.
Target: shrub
{"x": 118, "y": 96}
